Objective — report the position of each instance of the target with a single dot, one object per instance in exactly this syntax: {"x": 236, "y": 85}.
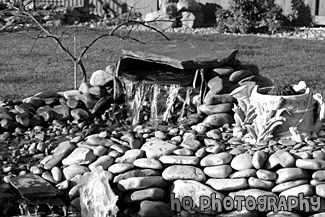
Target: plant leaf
{"x": 251, "y": 131}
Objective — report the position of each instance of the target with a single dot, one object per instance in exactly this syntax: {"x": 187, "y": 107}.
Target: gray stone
{"x": 148, "y": 163}
{"x": 236, "y": 76}
{"x": 222, "y": 171}
{"x": 120, "y": 168}
{"x": 183, "y": 172}
{"x": 195, "y": 190}
{"x": 72, "y": 103}
{"x": 158, "y": 148}
{"x": 321, "y": 214}
{"x": 314, "y": 182}
{"x": 306, "y": 189}
{"x": 130, "y": 156}
{"x": 310, "y": 164}
{"x": 137, "y": 183}
{"x": 104, "y": 161}
{"x": 215, "y": 85}
{"x": 214, "y": 99}
{"x": 319, "y": 154}
{"x": 239, "y": 213}
{"x": 280, "y": 159}
{"x": 259, "y": 159}
{"x": 61, "y": 112}
{"x": 79, "y": 114}
{"x": 260, "y": 184}
{"x": 242, "y": 162}
{"x": 23, "y": 119}
{"x": 302, "y": 155}
{"x": 289, "y": 174}
{"x": 214, "y": 109}
{"x": 88, "y": 100}
{"x": 252, "y": 192}
{"x": 80, "y": 156}
{"x": 266, "y": 175}
{"x": 201, "y": 153}
{"x": 99, "y": 150}
{"x": 223, "y": 71}
{"x": 218, "y": 120}
{"x": 227, "y": 184}
{"x": 288, "y": 185}
{"x": 62, "y": 151}
{"x": 73, "y": 170}
{"x": 176, "y": 159}
{"x": 145, "y": 194}
{"x": 216, "y": 159}
{"x": 319, "y": 175}
{"x": 215, "y": 149}
{"x": 243, "y": 174}
{"x": 154, "y": 208}
{"x": 282, "y": 214}
{"x": 191, "y": 144}
{"x": 136, "y": 173}
{"x": 287, "y": 142}
{"x": 98, "y": 91}
{"x": 183, "y": 151}
{"x": 32, "y": 186}
{"x": 320, "y": 190}
{"x": 100, "y": 78}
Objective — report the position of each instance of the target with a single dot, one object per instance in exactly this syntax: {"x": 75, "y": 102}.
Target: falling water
{"x": 154, "y": 105}
{"x": 160, "y": 97}
{"x": 23, "y": 207}
{"x": 172, "y": 95}
{"x": 187, "y": 101}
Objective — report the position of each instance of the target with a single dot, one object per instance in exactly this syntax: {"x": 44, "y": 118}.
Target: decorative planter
{"x": 298, "y": 110}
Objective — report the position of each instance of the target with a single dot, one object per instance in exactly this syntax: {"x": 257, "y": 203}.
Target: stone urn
{"x": 299, "y": 112}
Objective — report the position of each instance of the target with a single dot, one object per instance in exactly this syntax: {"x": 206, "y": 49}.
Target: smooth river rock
{"x": 319, "y": 175}
{"x": 73, "y": 170}
{"x": 287, "y": 185}
{"x": 136, "y": 173}
{"x": 218, "y": 120}
{"x": 266, "y": 175}
{"x": 306, "y": 189}
{"x": 176, "y": 159}
{"x": 145, "y": 194}
{"x": 280, "y": 159}
{"x": 216, "y": 159}
{"x": 63, "y": 150}
{"x": 157, "y": 148}
{"x": 183, "y": 172}
{"x": 242, "y": 162}
{"x": 310, "y": 164}
{"x": 148, "y": 163}
{"x": 227, "y": 184}
{"x": 195, "y": 190}
{"x": 259, "y": 159}
{"x": 137, "y": 183}
{"x": 79, "y": 156}
{"x": 289, "y": 174}
{"x": 222, "y": 171}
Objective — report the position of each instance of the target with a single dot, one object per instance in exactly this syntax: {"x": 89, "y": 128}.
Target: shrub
{"x": 300, "y": 14}
{"x": 250, "y": 16}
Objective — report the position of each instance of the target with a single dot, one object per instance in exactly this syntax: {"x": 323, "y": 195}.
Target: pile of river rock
{"x": 63, "y": 141}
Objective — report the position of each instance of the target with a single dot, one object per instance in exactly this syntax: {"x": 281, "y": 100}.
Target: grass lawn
{"x": 26, "y": 69}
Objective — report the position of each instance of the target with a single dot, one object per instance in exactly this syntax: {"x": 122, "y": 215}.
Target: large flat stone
{"x": 182, "y": 55}
{"x": 33, "y": 186}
